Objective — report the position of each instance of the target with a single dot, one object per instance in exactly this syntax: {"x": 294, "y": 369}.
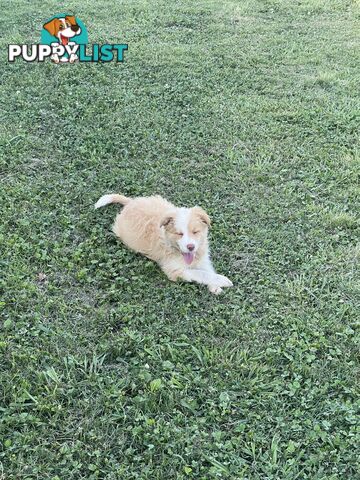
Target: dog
{"x": 176, "y": 238}
{"x": 63, "y": 29}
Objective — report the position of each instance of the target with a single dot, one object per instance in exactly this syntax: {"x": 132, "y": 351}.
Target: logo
{"x": 64, "y": 39}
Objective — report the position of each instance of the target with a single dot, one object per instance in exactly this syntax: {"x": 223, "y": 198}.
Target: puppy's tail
{"x": 113, "y": 198}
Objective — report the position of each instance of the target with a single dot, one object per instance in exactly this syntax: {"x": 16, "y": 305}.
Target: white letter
{"x": 33, "y": 54}
{"x": 14, "y": 51}
{"x": 71, "y": 48}
{"x": 44, "y": 52}
{"x": 58, "y": 49}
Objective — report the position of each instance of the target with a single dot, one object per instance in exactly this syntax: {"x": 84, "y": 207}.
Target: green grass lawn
{"x": 108, "y": 370}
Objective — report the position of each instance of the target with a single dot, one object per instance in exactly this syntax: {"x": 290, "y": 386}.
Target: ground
{"x": 110, "y": 371}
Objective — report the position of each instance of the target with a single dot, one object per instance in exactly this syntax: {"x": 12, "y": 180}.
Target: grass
{"x": 108, "y": 370}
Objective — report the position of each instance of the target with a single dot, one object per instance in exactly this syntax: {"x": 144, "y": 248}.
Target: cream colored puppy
{"x": 175, "y": 238}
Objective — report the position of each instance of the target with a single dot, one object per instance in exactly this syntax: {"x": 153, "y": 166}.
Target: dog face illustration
{"x": 63, "y": 28}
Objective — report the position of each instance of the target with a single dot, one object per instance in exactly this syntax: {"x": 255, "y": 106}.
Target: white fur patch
{"x": 182, "y": 221}
{"x": 104, "y": 200}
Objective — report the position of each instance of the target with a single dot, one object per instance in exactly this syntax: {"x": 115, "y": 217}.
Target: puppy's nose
{"x": 75, "y": 28}
{"x": 190, "y": 247}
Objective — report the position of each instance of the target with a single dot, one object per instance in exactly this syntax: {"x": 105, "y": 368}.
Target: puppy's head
{"x": 63, "y": 28}
{"x": 186, "y": 230}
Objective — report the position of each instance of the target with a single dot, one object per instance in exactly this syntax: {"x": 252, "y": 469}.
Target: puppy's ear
{"x": 203, "y": 216}
{"x": 53, "y": 26}
{"x": 166, "y": 221}
{"x": 71, "y": 19}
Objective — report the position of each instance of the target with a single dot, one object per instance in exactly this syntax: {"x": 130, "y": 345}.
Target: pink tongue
{"x": 64, "y": 40}
{"x": 188, "y": 257}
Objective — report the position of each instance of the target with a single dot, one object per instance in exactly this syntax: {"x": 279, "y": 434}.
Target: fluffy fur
{"x": 175, "y": 238}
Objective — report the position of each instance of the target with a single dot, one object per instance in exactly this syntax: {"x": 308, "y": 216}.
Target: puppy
{"x": 63, "y": 29}
{"x": 175, "y": 238}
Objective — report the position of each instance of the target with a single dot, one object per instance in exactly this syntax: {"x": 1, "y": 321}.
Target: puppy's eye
{"x": 179, "y": 234}
{"x": 195, "y": 232}
{"x": 61, "y": 27}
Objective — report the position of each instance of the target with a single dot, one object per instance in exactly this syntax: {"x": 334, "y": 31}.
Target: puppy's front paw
{"x": 222, "y": 281}
{"x": 215, "y": 290}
